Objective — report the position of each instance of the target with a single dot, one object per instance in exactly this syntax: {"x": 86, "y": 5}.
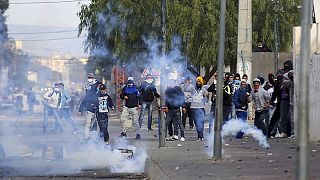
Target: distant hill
{"x": 47, "y": 47}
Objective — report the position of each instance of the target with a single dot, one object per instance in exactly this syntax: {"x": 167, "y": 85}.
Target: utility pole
{"x": 303, "y": 97}
{"x": 162, "y": 123}
{"x": 276, "y": 35}
{"x": 244, "y": 50}
{"x": 217, "y": 148}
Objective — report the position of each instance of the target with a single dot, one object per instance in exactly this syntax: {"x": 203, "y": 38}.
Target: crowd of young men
{"x": 272, "y": 102}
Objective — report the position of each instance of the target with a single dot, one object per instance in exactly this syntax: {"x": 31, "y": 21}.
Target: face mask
{"x": 56, "y": 89}
{"x": 90, "y": 80}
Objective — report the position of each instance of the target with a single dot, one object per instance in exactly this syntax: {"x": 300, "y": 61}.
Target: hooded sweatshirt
{"x": 148, "y": 91}
{"x": 199, "y": 98}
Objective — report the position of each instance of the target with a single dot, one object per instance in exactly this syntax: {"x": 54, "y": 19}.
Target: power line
{"x": 50, "y": 39}
{"x": 47, "y": 2}
{"x": 44, "y": 32}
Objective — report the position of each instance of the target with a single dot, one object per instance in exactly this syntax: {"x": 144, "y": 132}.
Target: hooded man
{"x": 287, "y": 66}
{"x": 130, "y": 94}
{"x": 148, "y": 91}
{"x": 199, "y": 98}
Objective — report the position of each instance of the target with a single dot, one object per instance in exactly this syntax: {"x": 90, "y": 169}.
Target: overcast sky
{"x": 61, "y": 15}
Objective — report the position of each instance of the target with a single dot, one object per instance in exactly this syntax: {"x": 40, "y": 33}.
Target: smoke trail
{"x": 232, "y": 127}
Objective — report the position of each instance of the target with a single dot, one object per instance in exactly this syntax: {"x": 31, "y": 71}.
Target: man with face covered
{"x": 241, "y": 100}
{"x": 131, "y": 95}
{"x": 199, "y": 98}
{"x": 87, "y": 104}
{"x": 148, "y": 91}
{"x": 53, "y": 99}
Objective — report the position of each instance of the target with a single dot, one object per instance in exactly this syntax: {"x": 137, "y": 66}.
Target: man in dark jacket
{"x": 131, "y": 95}
{"x": 175, "y": 99}
{"x": 241, "y": 100}
{"x": 148, "y": 91}
{"x": 104, "y": 103}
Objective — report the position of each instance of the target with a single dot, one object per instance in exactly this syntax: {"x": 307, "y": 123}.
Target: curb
{"x": 154, "y": 171}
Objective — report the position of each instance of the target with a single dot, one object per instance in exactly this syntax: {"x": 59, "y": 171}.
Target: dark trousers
{"x": 242, "y": 116}
{"x": 103, "y": 125}
{"x": 284, "y": 116}
{"x": 187, "y": 114}
{"x": 275, "y": 119}
{"x": 226, "y": 112}
{"x": 174, "y": 118}
{"x": 261, "y": 121}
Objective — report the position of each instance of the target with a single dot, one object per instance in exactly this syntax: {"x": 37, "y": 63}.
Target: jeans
{"x": 174, "y": 117}
{"x": 65, "y": 113}
{"x": 187, "y": 114}
{"x": 146, "y": 105}
{"x": 233, "y": 111}
{"x": 242, "y": 116}
{"x": 261, "y": 121}
{"x": 103, "y": 125}
{"x": 54, "y": 111}
{"x": 198, "y": 116}
{"x": 226, "y": 112}
{"x": 31, "y": 108}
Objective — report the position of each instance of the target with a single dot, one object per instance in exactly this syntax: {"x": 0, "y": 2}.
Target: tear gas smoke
{"x": 232, "y": 127}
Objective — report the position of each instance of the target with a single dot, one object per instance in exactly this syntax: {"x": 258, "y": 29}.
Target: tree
{"x": 119, "y": 28}
{"x": 263, "y": 17}
{"x": 3, "y": 27}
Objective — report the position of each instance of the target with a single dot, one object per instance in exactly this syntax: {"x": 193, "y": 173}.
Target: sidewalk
{"x": 242, "y": 159}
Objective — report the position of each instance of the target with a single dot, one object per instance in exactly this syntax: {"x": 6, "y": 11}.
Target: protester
{"x": 241, "y": 100}
{"x": 261, "y": 99}
{"x": 187, "y": 88}
{"x": 199, "y": 98}
{"x": 31, "y": 100}
{"x": 174, "y": 98}
{"x": 104, "y": 103}
{"x": 52, "y": 105}
{"x": 131, "y": 95}
{"x": 285, "y": 107}
{"x": 148, "y": 92}
{"x": 65, "y": 108}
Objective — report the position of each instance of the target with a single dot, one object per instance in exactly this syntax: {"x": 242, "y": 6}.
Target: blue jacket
{"x": 241, "y": 100}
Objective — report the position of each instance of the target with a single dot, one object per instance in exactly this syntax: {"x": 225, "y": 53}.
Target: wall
{"x": 314, "y": 74}
{"x": 264, "y": 63}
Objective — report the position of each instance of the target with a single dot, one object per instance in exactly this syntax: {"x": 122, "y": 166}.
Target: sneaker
{"x": 175, "y": 137}
{"x": 191, "y": 128}
{"x": 106, "y": 143}
{"x": 123, "y": 134}
{"x": 182, "y": 139}
{"x": 169, "y": 138}
{"x": 200, "y": 139}
{"x": 138, "y": 136}
{"x": 291, "y": 137}
{"x": 283, "y": 135}
{"x": 74, "y": 132}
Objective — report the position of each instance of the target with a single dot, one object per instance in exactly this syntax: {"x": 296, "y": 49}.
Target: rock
{"x": 177, "y": 168}
{"x": 286, "y": 171}
{"x": 240, "y": 160}
{"x": 179, "y": 145}
{"x": 210, "y": 174}
{"x": 238, "y": 167}
{"x": 289, "y": 157}
{"x": 314, "y": 150}
{"x": 269, "y": 154}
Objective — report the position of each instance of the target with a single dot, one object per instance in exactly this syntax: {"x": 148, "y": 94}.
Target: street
{"x": 29, "y": 154}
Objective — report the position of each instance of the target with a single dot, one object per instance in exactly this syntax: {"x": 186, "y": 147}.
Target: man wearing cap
{"x": 130, "y": 94}
{"x": 53, "y": 104}
{"x": 104, "y": 103}
{"x": 148, "y": 91}
{"x": 199, "y": 98}
{"x": 261, "y": 99}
